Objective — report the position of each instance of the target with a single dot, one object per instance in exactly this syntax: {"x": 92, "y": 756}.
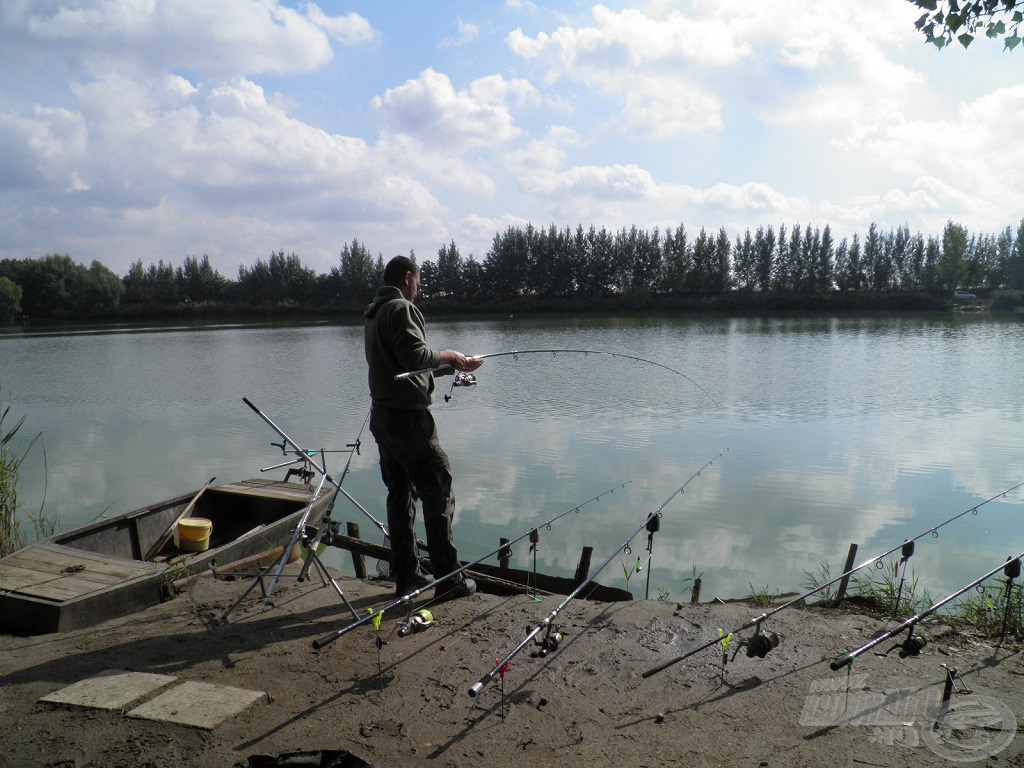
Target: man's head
{"x": 403, "y": 273}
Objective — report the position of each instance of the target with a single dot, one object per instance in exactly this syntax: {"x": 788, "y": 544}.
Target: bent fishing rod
{"x": 407, "y": 599}
{"x": 651, "y": 523}
{"x": 758, "y": 645}
{"x": 468, "y": 379}
{"x": 309, "y": 457}
{"x": 912, "y": 645}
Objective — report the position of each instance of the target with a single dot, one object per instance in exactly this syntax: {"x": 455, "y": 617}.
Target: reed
{"x": 10, "y": 471}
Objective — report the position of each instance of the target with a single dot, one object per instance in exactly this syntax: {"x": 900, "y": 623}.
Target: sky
{"x": 160, "y": 129}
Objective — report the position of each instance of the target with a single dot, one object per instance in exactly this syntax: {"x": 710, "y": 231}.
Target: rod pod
{"x": 322, "y": 469}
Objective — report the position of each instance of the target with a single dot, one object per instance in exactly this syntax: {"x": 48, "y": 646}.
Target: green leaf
{"x": 1018, "y": 17}
{"x": 954, "y": 22}
{"x": 929, "y": 4}
{"x": 965, "y": 39}
{"x": 1011, "y": 43}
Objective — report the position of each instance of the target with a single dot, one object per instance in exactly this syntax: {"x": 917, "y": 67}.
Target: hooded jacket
{"x": 395, "y": 343}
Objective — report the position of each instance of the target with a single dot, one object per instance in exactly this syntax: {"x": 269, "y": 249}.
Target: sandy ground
{"x": 585, "y": 703}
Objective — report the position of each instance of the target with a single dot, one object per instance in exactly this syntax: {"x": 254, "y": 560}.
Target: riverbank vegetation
{"x": 559, "y": 270}
{"x": 10, "y": 467}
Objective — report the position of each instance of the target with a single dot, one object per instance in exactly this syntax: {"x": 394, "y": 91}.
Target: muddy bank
{"x": 406, "y": 703}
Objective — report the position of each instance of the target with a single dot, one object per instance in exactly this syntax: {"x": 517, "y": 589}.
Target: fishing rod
{"x": 760, "y": 644}
{"x": 468, "y": 379}
{"x": 549, "y": 643}
{"x": 913, "y": 644}
{"x": 308, "y": 457}
{"x": 410, "y": 597}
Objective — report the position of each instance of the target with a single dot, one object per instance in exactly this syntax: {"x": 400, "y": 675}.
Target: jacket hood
{"x": 385, "y": 294}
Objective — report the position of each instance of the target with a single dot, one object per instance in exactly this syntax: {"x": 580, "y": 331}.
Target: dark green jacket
{"x": 395, "y": 344}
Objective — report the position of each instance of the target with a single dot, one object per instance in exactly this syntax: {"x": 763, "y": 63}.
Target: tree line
{"x": 555, "y": 268}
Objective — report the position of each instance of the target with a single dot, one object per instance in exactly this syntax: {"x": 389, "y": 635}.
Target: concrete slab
{"x": 200, "y": 705}
{"x": 110, "y": 689}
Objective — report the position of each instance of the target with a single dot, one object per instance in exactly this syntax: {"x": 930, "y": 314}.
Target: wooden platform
{"x": 54, "y": 572}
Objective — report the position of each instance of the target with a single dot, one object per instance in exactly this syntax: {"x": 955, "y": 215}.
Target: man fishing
{"x": 412, "y": 462}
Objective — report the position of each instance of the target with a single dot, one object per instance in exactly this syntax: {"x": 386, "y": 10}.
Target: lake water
{"x": 832, "y": 430}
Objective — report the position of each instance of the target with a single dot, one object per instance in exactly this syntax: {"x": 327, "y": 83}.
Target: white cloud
{"x": 466, "y": 32}
{"x": 439, "y": 116}
{"x": 351, "y": 29}
{"x": 648, "y": 62}
{"x": 214, "y": 36}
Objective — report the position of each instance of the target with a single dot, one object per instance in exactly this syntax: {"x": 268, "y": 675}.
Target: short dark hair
{"x": 395, "y": 271}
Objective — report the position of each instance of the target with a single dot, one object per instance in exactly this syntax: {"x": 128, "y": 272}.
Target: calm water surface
{"x": 832, "y": 430}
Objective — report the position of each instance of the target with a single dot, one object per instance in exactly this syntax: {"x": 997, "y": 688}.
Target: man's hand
{"x": 459, "y": 361}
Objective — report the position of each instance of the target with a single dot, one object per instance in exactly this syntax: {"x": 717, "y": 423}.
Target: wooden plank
{"x": 13, "y": 577}
{"x": 56, "y": 559}
{"x": 86, "y": 556}
{"x": 273, "y": 489}
{"x": 65, "y": 588}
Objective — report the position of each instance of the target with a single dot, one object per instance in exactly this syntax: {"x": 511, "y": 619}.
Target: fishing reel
{"x": 331, "y": 533}
{"x": 550, "y": 642}
{"x": 760, "y": 644}
{"x": 461, "y": 379}
{"x": 912, "y": 646}
{"x": 420, "y": 621}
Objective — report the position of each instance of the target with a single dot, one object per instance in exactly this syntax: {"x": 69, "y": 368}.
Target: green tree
{"x": 358, "y": 274}
{"x": 101, "y": 292}
{"x": 764, "y": 257}
{"x": 943, "y": 20}
{"x": 10, "y": 300}
{"x": 199, "y": 281}
{"x": 281, "y": 280}
{"x": 951, "y": 271}
{"x": 744, "y": 262}
{"x": 1015, "y": 264}
{"x": 506, "y": 264}
{"x": 448, "y": 274}
{"x": 677, "y": 259}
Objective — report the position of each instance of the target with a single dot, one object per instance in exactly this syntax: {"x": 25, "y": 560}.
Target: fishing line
{"x": 550, "y": 642}
{"x": 913, "y": 644}
{"x": 757, "y": 643}
{"x": 407, "y": 599}
{"x": 470, "y": 380}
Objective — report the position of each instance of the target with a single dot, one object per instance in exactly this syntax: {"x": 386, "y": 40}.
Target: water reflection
{"x": 838, "y": 430}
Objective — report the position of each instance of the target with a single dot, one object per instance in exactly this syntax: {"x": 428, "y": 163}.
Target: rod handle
{"x": 326, "y": 640}
{"x": 841, "y": 662}
{"x": 475, "y": 690}
{"x": 663, "y": 667}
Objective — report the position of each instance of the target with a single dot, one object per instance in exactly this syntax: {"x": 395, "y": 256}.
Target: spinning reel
{"x": 462, "y": 379}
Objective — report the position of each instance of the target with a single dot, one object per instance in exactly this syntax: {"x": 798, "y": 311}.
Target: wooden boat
{"x": 123, "y": 564}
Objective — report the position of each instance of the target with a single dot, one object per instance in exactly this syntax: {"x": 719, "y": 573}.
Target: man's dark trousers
{"x": 412, "y": 463}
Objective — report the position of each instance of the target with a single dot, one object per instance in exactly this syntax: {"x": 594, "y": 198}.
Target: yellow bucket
{"x": 193, "y": 534}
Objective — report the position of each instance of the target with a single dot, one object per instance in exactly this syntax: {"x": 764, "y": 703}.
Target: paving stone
{"x": 110, "y": 689}
{"x": 201, "y": 705}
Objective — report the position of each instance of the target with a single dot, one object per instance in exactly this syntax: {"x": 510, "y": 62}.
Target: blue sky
{"x": 159, "y": 129}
